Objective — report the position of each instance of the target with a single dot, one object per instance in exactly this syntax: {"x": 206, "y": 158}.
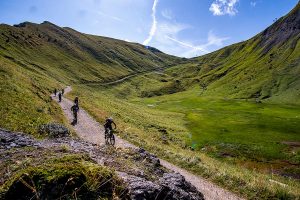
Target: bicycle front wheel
{"x": 112, "y": 139}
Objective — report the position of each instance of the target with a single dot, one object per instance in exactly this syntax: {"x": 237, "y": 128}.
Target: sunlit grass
{"x": 170, "y": 125}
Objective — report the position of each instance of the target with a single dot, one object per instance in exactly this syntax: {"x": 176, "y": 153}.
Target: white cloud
{"x": 223, "y": 7}
{"x": 167, "y": 13}
{"x": 169, "y": 29}
{"x": 109, "y": 16}
{"x": 167, "y": 38}
{"x": 213, "y": 40}
{"x": 192, "y": 50}
{"x": 154, "y": 24}
{"x": 186, "y": 44}
{"x": 253, "y": 3}
{"x": 166, "y": 30}
{"x": 165, "y": 35}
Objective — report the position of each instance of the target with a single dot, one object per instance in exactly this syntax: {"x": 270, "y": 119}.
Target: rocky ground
{"x": 141, "y": 171}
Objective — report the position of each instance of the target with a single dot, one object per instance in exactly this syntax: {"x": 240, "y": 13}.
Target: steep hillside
{"x": 35, "y": 58}
{"x": 266, "y": 66}
{"x": 66, "y": 54}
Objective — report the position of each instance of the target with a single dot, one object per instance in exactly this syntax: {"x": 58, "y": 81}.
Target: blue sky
{"x": 184, "y": 28}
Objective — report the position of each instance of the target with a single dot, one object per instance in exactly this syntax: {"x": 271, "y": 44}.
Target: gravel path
{"x": 92, "y": 131}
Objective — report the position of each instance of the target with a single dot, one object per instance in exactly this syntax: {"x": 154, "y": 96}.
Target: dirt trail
{"x": 87, "y": 128}
{"x": 92, "y": 131}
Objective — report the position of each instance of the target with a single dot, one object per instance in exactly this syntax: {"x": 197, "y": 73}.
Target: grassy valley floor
{"x": 247, "y": 147}
{"x": 256, "y": 135}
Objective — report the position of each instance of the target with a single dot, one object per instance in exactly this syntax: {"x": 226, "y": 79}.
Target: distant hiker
{"x": 75, "y": 110}
{"x": 59, "y": 97}
{"x": 76, "y": 101}
{"x": 108, "y": 124}
{"x": 55, "y": 91}
{"x": 62, "y": 91}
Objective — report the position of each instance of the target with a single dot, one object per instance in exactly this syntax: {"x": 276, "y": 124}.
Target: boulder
{"x": 170, "y": 186}
{"x": 179, "y": 188}
{"x": 54, "y": 130}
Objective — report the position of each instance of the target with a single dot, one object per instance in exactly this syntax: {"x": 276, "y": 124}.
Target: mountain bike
{"x": 74, "y": 118}
{"x": 109, "y": 137}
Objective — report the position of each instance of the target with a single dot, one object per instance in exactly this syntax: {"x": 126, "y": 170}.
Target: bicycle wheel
{"x": 112, "y": 139}
{"x": 107, "y": 138}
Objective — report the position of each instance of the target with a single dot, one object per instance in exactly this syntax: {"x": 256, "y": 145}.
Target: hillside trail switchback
{"x": 92, "y": 131}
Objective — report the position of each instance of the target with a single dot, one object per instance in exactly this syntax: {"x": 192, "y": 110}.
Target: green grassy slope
{"x": 266, "y": 66}
{"x": 67, "y": 55}
{"x": 25, "y": 101}
{"x": 35, "y": 58}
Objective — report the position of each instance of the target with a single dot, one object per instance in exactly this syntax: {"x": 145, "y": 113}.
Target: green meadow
{"x": 235, "y": 128}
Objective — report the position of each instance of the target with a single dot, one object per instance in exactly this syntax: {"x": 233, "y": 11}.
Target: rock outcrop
{"x": 160, "y": 184}
{"x": 170, "y": 186}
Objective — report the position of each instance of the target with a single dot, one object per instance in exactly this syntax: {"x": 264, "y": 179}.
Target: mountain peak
{"x": 24, "y": 24}
{"x": 48, "y": 23}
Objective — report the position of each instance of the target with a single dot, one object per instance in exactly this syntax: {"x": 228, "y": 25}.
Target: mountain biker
{"x": 108, "y": 124}
{"x": 76, "y": 101}
{"x": 75, "y": 110}
{"x": 59, "y": 96}
{"x": 55, "y": 91}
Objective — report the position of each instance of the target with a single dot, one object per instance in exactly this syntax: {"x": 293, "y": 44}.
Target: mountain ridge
{"x": 96, "y": 50}
{"x": 267, "y": 66}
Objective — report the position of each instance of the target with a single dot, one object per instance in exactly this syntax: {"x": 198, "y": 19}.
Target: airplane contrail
{"x": 196, "y": 48}
{"x": 154, "y": 24}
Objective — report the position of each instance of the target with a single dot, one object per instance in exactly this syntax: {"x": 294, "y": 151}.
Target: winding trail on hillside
{"x": 92, "y": 131}
{"x": 120, "y": 80}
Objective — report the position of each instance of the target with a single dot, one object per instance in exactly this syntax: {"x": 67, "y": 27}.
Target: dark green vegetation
{"x": 67, "y": 176}
{"x": 239, "y": 105}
